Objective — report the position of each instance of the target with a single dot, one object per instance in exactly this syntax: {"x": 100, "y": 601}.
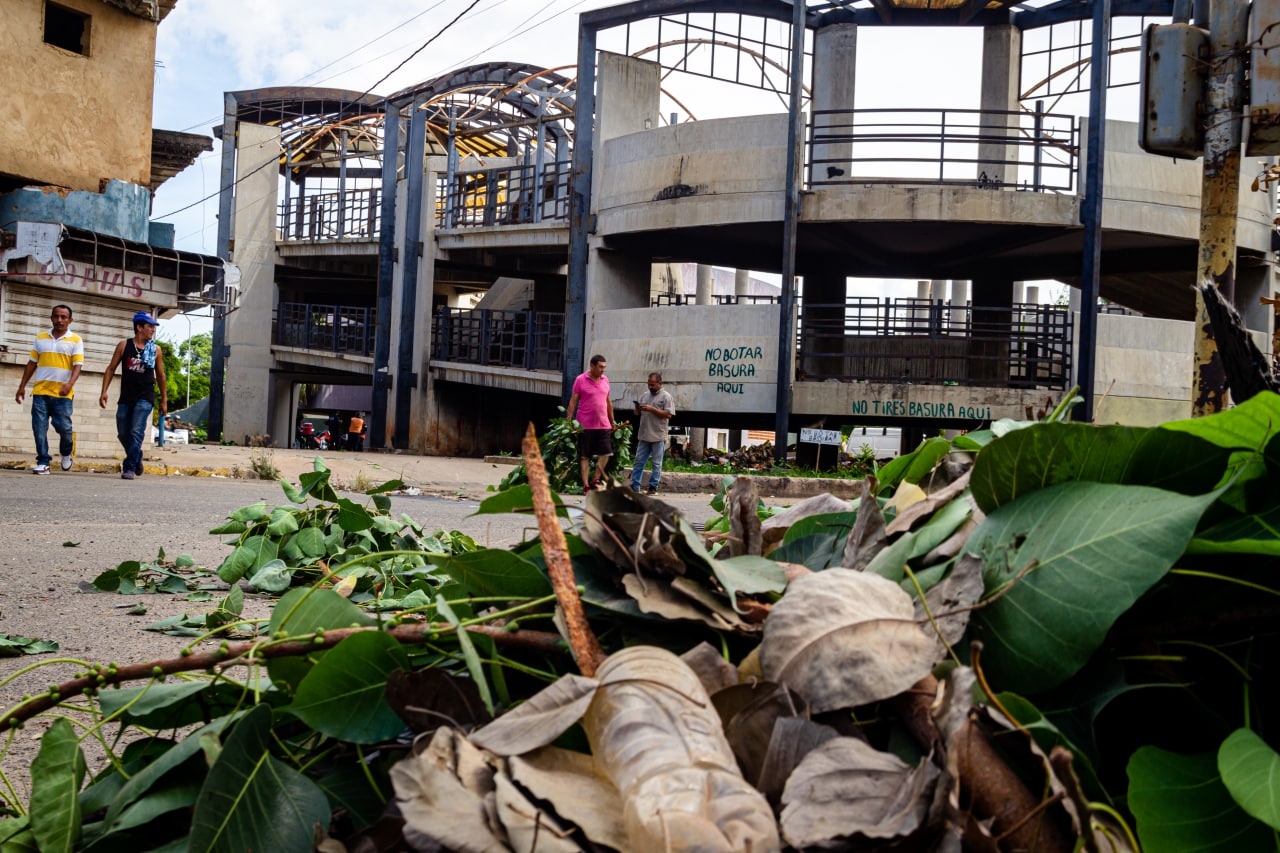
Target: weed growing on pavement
{"x": 262, "y": 463}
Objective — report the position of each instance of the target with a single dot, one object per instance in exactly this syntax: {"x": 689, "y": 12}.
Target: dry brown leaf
{"x": 659, "y": 598}
{"x": 773, "y": 528}
{"x": 529, "y": 829}
{"x": 749, "y": 712}
{"x": 572, "y": 784}
{"x": 846, "y": 788}
{"x": 428, "y": 698}
{"x": 950, "y": 603}
{"x": 441, "y": 794}
{"x": 539, "y": 720}
{"x": 904, "y": 496}
{"x": 841, "y": 638}
{"x": 791, "y": 740}
{"x": 656, "y": 735}
{"x": 954, "y": 543}
{"x": 741, "y": 502}
{"x": 868, "y": 535}
{"x": 907, "y": 518}
{"x": 713, "y": 671}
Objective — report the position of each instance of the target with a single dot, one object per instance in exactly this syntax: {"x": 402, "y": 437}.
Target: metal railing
{"x": 532, "y": 340}
{"x": 504, "y": 195}
{"x": 332, "y": 328}
{"x": 351, "y": 215}
{"x": 924, "y": 342}
{"x": 660, "y": 299}
{"x": 989, "y": 149}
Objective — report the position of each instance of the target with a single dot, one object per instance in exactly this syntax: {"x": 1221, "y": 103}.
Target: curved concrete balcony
{"x": 922, "y": 195}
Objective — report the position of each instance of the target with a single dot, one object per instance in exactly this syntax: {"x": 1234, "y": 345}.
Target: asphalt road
{"x": 61, "y": 530}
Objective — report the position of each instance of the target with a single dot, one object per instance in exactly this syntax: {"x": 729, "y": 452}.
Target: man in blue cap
{"x": 142, "y": 370}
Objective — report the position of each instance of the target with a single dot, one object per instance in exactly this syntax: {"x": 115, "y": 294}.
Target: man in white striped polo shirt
{"x": 56, "y": 359}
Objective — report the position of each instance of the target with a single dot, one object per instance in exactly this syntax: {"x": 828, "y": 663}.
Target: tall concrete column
{"x": 959, "y": 304}
{"x": 835, "y": 54}
{"x": 627, "y": 102}
{"x": 741, "y": 282}
{"x": 697, "y": 444}
{"x": 822, "y": 325}
{"x": 992, "y": 323}
{"x": 1001, "y": 70}
{"x": 705, "y": 294}
{"x": 249, "y": 407}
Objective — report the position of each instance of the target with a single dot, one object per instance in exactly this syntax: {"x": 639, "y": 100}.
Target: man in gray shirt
{"x": 654, "y": 408}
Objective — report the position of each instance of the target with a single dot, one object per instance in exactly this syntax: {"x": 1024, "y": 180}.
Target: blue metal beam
{"x": 386, "y": 279}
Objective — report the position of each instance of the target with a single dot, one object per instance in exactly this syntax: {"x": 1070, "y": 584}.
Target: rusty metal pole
{"x": 1219, "y": 192}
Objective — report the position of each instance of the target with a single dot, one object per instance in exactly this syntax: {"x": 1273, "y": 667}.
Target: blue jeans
{"x": 132, "y": 420}
{"x": 646, "y": 450}
{"x": 45, "y": 409}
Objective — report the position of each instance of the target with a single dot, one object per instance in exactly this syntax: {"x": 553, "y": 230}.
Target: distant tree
{"x": 199, "y": 348}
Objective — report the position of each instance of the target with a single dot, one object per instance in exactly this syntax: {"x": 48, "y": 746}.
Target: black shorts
{"x": 595, "y": 442}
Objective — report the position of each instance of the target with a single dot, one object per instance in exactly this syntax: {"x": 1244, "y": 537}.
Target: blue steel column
{"x": 790, "y": 225}
{"x": 411, "y": 251}
{"x": 1091, "y": 210}
{"x": 575, "y": 308}
{"x": 386, "y": 274}
{"x": 226, "y": 194}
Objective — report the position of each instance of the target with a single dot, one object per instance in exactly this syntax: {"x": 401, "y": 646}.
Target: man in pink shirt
{"x": 590, "y": 400}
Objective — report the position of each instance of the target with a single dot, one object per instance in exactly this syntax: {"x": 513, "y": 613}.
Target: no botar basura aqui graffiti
{"x": 732, "y": 362}
{"x": 921, "y": 409}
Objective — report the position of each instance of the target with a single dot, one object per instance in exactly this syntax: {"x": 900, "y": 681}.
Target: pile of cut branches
{"x": 1043, "y": 636}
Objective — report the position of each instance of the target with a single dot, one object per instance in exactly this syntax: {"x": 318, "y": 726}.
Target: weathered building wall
{"x": 70, "y": 120}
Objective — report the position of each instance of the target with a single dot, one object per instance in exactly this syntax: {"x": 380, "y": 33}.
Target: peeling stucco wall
{"x": 70, "y": 120}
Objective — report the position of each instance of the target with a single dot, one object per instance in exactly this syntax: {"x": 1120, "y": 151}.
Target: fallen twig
{"x": 253, "y": 651}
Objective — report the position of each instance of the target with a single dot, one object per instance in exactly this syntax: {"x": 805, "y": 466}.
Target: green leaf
{"x": 57, "y": 772}
{"x": 14, "y": 646}
{"x": 352, "y": 517}
{"x": 179, "y": 795}
{"x": 1256, "y": 533}
{"x": 915, "y": 465}
{"x": 516, "y": 499}
{"x": 232, "y": 527}
{"x": 1181, "y": 806}
{"x": 838, "y": 523}
{"x": 275, "y": 576}
{"x": 1251, "y": 771}
{"x": 253, "y": 801}
{"x": 388, "y": 486}
{"x": 1247, "y": 426}
{"x": 1046, "y": 454}
{"x": 111, "y": 579}
{"x": 251, "y": 513}
{"x": 184, "y": 561}
{"x": 283, "y": 521}
{"x": 343, "y": 695}
{"x": 303, "y": 611}
{"x": 316, "y": 482}
{"x": 1096, "y": 548}
{"x": 292, "y": 493}
{"x": 311, "y": 541}
{"x": 494, "y": 572}
{"x": 474, "y": 667}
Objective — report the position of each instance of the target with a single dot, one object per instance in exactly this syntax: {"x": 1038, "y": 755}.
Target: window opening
{"x": 66, "y": 28}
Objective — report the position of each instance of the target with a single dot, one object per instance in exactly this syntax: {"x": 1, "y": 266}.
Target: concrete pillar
{"x": 705, "y": 294}
{"x": 1001, "y": 69}
{"x": 959, "y": 303}
{"x": 422, "y": 435}
{"x": 1032, "y": 295}
{"x": 741, "y": 282}
{"x": 627, "y": 93}
{"x": 1019, "y": 292}
{"x": 992, "y": 323}
{"x": 697, "y": 444}
{"x": 249, "y": 409}
{"x": 938, "y": 290}
{"x": 822, "y": 325}
{"x": 835, "y": 53}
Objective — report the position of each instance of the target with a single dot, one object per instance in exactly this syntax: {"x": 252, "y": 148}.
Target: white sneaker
{"x": 66, "y": 463}
{"x": 40, "y": 469}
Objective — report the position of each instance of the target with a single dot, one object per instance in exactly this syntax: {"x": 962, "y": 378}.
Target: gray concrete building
{"x": 460, "y": 248}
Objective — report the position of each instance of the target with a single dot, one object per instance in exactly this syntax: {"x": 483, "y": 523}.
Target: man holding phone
{"x": 654, "y": 409}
